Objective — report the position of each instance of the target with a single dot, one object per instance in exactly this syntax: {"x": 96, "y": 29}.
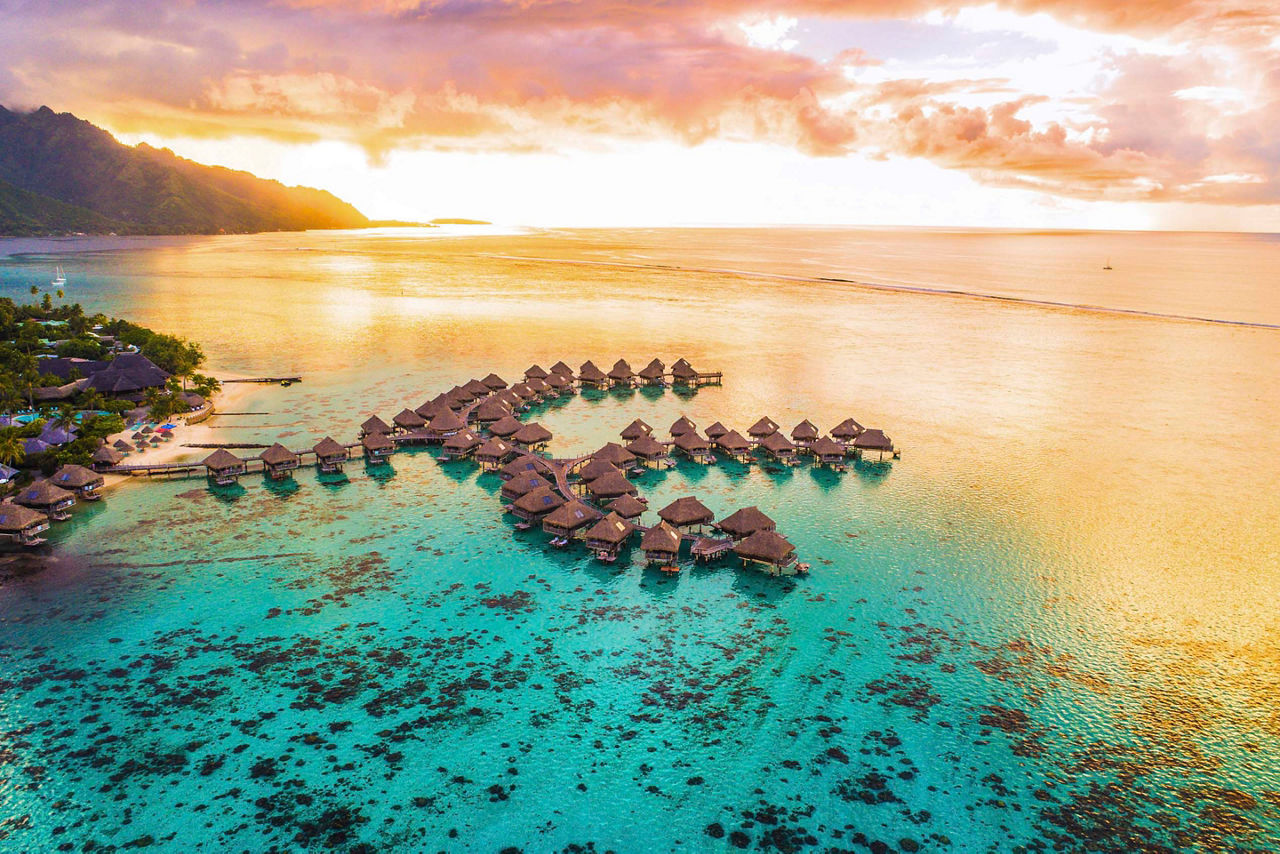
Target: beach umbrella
{"x": 167, "y": 426}
{"x": 137, "y": 436}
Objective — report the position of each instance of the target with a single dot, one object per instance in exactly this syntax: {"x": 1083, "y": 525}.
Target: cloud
{"x": 1125, "y": 103}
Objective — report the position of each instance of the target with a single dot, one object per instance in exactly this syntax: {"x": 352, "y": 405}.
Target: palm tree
{"x": 11, "y": 448}
{"x": 60, "y": 293}
{"x": 35, "y": 290}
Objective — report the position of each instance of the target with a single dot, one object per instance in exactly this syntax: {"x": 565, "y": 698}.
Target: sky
{"x": 1140, "y": 114}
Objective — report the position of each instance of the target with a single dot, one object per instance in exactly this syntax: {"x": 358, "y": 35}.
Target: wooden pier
{"x": 263, "y": 380}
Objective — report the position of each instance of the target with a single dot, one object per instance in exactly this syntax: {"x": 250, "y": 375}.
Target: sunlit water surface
{"x": 1051, "y": 624}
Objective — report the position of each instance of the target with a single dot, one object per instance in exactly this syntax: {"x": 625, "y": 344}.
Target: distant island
{"x": 62, "y": 175}
{"x": 458, "y": 221}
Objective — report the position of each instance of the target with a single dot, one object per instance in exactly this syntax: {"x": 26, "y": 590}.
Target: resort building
{"x": 491, "y": 410}
{"x": 627, "y": 506}
{"x": 616, "y": 454}
{"x": 535, "y": 372}
{"x": 874, "y": 440}
{"x": 330, "y": 455}
{"x": 661, "y": 544}
{"x": 517, "y": 467}
{"x": 804, "y": 432}
{"x": 128, "y": 375}
{"x": 374, "y": 424}
{"x": 53, "y": 500}
{"x": 524, "y": 392}
{"x": 591, "y": 376}
{"x": 745, "y": 522}
{"x": 779, "y": 447}
{"x": 532, "y": 435}
{"x": 22, "y": 525}
{"x": 493, "y": 382}
{"x": 461, "y": 444}
{"x": 563, "y": 370}
{"x": 606, "y": 537}
{"x": 846, "y": 431}
{"x": 377, "y": 448}
{"x": 522, "y": 485}
{"x": 493, "y": 453}
{"x": 279, "y": 462}
{"x": 764, "y": 427}
{"x": 650, "y": 450}
{"x": 716, "y": 430}
{"x": 506, "y": 427}
{"x": 444, "y": 425}
{"x": 654, "y": 373}
{"x": 570, "y": 519}
{"x": 595, "y": 468}
{"x": 80, "y": 480}
{"x": 107, "y": 457}
{"x": 682, "y": 425}
{"x": 224, "y": 468}
{"x": 621, "y": 375}
{"x": 477, "y": 389}
{"x": 635, "y": 430}
{"x": 734, "y": 444}
{"x": 827, "y": 451}
{"x": 686, "y": 513}
{"x": 559, "y": 383}
{"x": 536, "y": 504}
{"x": 682, "y": 373}
{"x": 610, "y": 486}
{"x": 695, "y": 447}
{"x": 768, "y": 548}
{"x": 407, "y": 420}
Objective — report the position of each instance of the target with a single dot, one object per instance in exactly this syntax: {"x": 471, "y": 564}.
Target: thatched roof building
{"x": 609, "y": 533}
{"x": 377, "y": 447}
{"x": 44, "y": 495}
{"x": 745, "y": 522}
{"x": 445, "y": 424}
{"x": 589, "y": 374}
{"x": 432, "y": 407}
{"x": 559, "y": 382}
{"x": 462, "y": 443}
{"x": 505, "y": 427}
{"x": 107, "y": 457}
{"x": 459, "y": 396}
{"x": 847, "y": 429}
{"x": 682, "y": 425}
{"x": 764, "y": 427}
{"x": 648, "y": 448}
{"x": 79, "y": 479}
{"x": 692, "y": 444}
{"x": 476, "y": 388}
{"x": 653, "y": 372}
{"x": 621, "y": 373}
{"x": 635, "y": 430}
{"x": 805, "y": 432}
{"x": 562, "y": 369}
{"x": 494, "y": 452}
{"x": 539, "y": 387}
{"x": 407, "y": 419}
{"x": 330, "y": 455}
{"x": 491, "y": 410}
{"x": 733, "y": 443}
{"x": 535, "y": 372}
{"x": 223, "y": 462}
{"x": 661, "y": 544}
{"x": 595, "y": 468}
{"x": 524, "y": 392}
{"x": 778, "y": 445}
{"x": 374, "y": 424}
{"x": 538, "y": 503}
{"x": 570, "y": 518}
{"x": 627, "y": 506}
{"x": 610, "y": 486}
{"x": 826, "y": 450}
{"x": 767, "y": 547}
{"x": 532, "y": 434}
{"x": 523, "y": 484}
{"x": 493, "y": 382}
{"x": 22, "y": 524}
{"x": 686, "y": 512}
{"x": 716, "y": 430}
{"x": 616, "y": 454}
{"x": 278, "y": 461}
{"x": 873, "y": 440}
{"x": 519, "y": 466}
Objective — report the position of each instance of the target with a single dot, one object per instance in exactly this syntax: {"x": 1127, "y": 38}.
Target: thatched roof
{"x": 494, "y": 382}
{"x": 494, "y": 449}
{"x": 572, "y": 515}
{"x": 432, "y": 407}
{"x": 745, "y": 522}
{"x": 464, "y": 440}
{"x": 627, "y": 506}
{"x": 847, "y": 429}
{"x": 15, "y": 518}
{"x": 648, "y": 447}
{"x": 612, "y": 529}
{"x": 611, "y": 486}
{"x": 277, "y": 455}
{"x": 635, "y": 430}
{"x": 460, "y": 395}
{"x": 409, "y": 420}
{"x": 127, "y": 373}
{"x": 682, "y": 425}
{"x": 776, "y": 443}
{"x": 686, "y": 510}
{"x": 476, "y": 388}
{"x": 715, "y": 431}
{"x": 691, "y": 442}
{"x": 492, "y": 409}
{"x": 535, "y": 371}
{"x": 542, "y": 500}
{"x": 107, "y": 455}
{"x": 805, "y": 431}
{"x": 223, "y": 460}
{"x": 558, "y": 381}
{"x": 825, "y": 446}
{"x": 72, "y": 476}
{"x": 524, "y": 484}
{"x": 590, "y": 373}
{"x": 616, "y": 454}
{"x": 509, "y": 397}
{"x": 327, "y": 447}
{"x": 621, "y": 371}
{"x": 524, "y": 391}
{"x": 873, "y": 440}
{"x": 562, "y": 369}
{"x": 532, "y": 434}
{"x": 538, "y": 386}
{"x": 43, "y": 493}
{"x": 654, "y": 370}
{"x": 446, "y": 421}
{"x": 505, "y": 427}
{"x": 376, "y": 442}
{"x": 519, "y": 466}
{"x": 767, "y": 546}
{"x": 763, "y": 427}
{"x": 374, "y": 424}
{"x": 733, "y": 442}
{"x": 595, "y": 468}
{"x": 661, "y": 538}
{"x": 121, "y": 445}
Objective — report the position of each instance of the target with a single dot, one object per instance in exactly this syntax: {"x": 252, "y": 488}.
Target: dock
{"x": 263, "y": 380}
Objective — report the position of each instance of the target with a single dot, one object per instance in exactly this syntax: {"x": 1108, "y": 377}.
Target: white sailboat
{"x": 59, "y": 280}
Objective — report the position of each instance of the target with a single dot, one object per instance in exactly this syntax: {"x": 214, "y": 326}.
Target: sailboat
{"x": 1107, "y": 266}
{"x": 59, "y": 280}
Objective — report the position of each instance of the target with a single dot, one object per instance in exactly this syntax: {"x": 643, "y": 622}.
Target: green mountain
{"x": 61, "y": 174}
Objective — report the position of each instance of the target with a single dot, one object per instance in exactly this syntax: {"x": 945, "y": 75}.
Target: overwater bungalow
{"x": 279, "y": 462}
{"x": 432, "y": 407}
{"x": 80, "y": 480}
{"x": 44, "y": 495}
{"x": 779, "y": 447}
{"x": 635, "y": 430}
{"x": 610, "y": 486}
{"x": 532, "y": 435}
{"x": 493, "y": 453}
{"x": 570, "y": 519}
{"x": 590, "y": 375}
{"x": 106, "y": 457}
{"x": 461, "y": 444}
{"x": 505, "y": 428}
{"x": 661, "y": 544}
{"x": 734, "y": 444}
{"x": 493, "y": 382}
{"x": 654, "y": 373}
{"x": 627, "y": 506}
{"x": 490, "y": 411}
{"x": 524, "y": 392}
{"x": 616, "y": 454}
{"x": 377, "y": 448}
{"x": 743, "y": 523}
{"x": 649, "y": 449}
{"x": 559, "y": 383}
{"x": 444, "y": 425}
{"x": 407, "y": 419}
{"x": 331, "y": 456}
{"x": 374, "y": 424}
{"x": 459, "y": 397}
{"x": 874, "y": 440}
{"x": 225, "y": 468}
{"x": 686, "y": 513}
{"x": 621, "y": 375}
{"x": 519, "y": 466}
{"x": 563, "y": 370}
{"x": 695, "y": 447}
{"x": 606, "y": 537}
{"x": 770, "y": 549}
{"x": 535, "y": 372}
{"x": 682, "y": 425}
{"x": 804, "y": 432}
{"x": 595, "y": 468}
{"x": 764, "y": 427}
{"x": 682, "y": 373}
{"x": 536, "y": 504}
{"x": 510, "y": 398}
{"x": 541, "y": 388}
{"x": 847, "y": 430}
{"x": 477, "y": 389}
{"x": 827, "y": 451}
{"x": 22, "y": 525}
{"x": 523, "y": 484}
{"x": 716, "y": 430}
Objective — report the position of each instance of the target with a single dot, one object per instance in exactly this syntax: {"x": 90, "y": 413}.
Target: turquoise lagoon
{"x": 1050, "y": 626}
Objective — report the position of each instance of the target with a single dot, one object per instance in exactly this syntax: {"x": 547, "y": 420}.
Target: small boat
{"x": 286, "y": 383}
{"x": 59, "y": 280}
{"x": 1107, "y": 266}
{"x": 442, "y": 459}
{"x": 670, "y": 568}
{"x": 523, "y": 526}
